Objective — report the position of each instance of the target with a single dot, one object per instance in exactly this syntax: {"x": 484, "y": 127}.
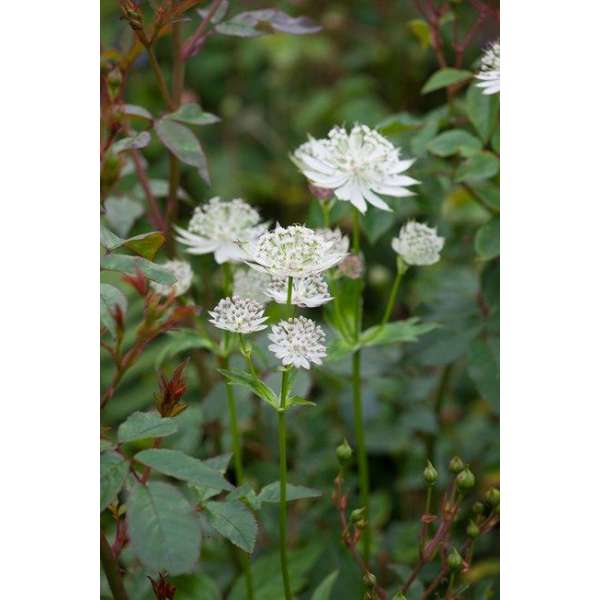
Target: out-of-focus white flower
{"x": 240, "y": 315}
{"x": 341, "y": 243}
{"x": 489, "y": 75}
{"x": 183, "y": 273}
{"x": 353, "y": 266}
{"x": 294, "y": 251}
{"x": 248, "y": 283}
{"x": 219, "y": 227}
{"x": 298, "y": 342}
{"x": 418, "y": 244}
{"x": 355, "y": 166}
{"x": 308, "y": 291}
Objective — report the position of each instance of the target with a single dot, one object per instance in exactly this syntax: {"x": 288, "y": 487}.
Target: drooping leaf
{"x": 479, "y": 166}
{"x": 181, "y": 466}
{"x": 298, "y": 401}
{"x": 445, "y": 77}
{"x": 113, "y": 472}
{"x": 122, "y": 213}
{"x": 252, "y": 383}
{"x": 408, "y": 330}
{"x": 192, "y": 114}
{"x": 131, "y": 110}
{"x": 487, "y": 239}
{"x": 129, "y": 265}
{"x": 110, "y": 297}
{"x": 163, "y": 528}
{"x": 233, "y": 521}
{"x": 323, "y": 592}
{"x": 182, "y": 142}
{"x": 270, "y": 493}
{"x": 455, "y": 141}
{"x": 143, "y": 425}
{"x": 253, "y": 23}
{"x": 132, "y": 143}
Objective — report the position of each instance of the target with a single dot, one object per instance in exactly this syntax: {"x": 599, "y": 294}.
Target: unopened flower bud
{"x": 358, "y": 515}
{"x": 320, "y": 193}
{"x": 353, "y": 266}
{"x": 456, "y": 465}
{"x": 398, "y": 596}
{"x": 430, "y": 474}
{"x": 370, "y": 580}
{"x": 344, "y": 453}
{"x": 492, "y": 497}
{"x": 478, "y": 508}
{"x": 465, "y": 480}
{"x": 114, "y": 80}
{"x": 472, "y": 529}
{"x": 454, "y": 559}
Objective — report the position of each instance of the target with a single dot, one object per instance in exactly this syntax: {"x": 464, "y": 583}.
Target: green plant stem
{"x": 233, "y": 426}
{"x": 164, "y": 90}
{"x": 451, "y": 585}
{"x": 111, "y": 569}
{"x": 391, "y": 300}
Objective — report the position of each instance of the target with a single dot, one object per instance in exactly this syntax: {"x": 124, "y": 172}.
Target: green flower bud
{"x": 456, "y": 465}
{"x": 344, "y": 453}
{"x": 357, "y": 516}
{"x": 370, "y": 580}
{"x": 478, "y": 508}
{"x": 454, "y": 559}
{"x": 465, "y": 480}
{"x": 492, "y": 497}
{"x": 430, "y": 474}
{"x": 398, "y": 596}
{"x": 472, "y": 529}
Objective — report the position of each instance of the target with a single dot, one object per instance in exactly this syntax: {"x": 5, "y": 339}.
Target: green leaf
{"x": 106, "y": 445}
{"x": 253, "y": 23}
{"x": 487, "y": 239}
{"x": 339, "y": 348}
{"x": 421, "y": 31}
{"x": 298, "y": 401}
{"x": 180, "y": 341}
{"x": 484, "y": 369}
{"x": 181, "y": 466}
{"x": 159, "y": 188}
{"x": 445, "y": 77}
{"x": 146, "y": 244}
{"x": 163, "y": 528}
{"x": 270, "y": 493}
{"x": 192, "y": 114}
{"x": 182, "y": 142}
{"x": 399, "y": 123}
{"x": 323, "y": 592}
{"x": 249, "y": 381}
{"x": 108, "y": 239}
{"x": 122, "y": 213}
{"x": 479, "y": 166}
{"x": 144, "y": 425}
{"x": 110, "y": 296}
{"x": 233, "y": 521}
{"x": 408, "y": 330}
{"x": 376, "y": 222}
{"x": 130, "y": 143}
{"x": 455, "y": 141}
{"x": 482, "y": 110}
{"x": 245, "y": 492}
{"x": 129, "y": 265}
{"x": 131, "y": 110}
{"x": 113, "y": 472}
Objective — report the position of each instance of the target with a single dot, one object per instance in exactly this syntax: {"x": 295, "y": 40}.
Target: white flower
{"x": 418, "y": 244}
{"x": 489, "y": 75}
{"x": 248, "y": 283}
{"x": 298, "y": 342}
{"x": 294, "y": 251}
{"x": 355, "y": 166}
{"x": 183, "y": 274}
{"x": 341, "y": 243}
{"x": 308, "y": 291}
{"x": 240, "y": 315}
{"x": 219, "y": 226}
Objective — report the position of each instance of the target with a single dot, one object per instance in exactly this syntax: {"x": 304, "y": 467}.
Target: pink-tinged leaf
{"x": 259, "y": 22}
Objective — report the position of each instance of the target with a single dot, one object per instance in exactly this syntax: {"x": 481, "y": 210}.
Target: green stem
{"x": 164, "y": 90}
{"x": 111, "y": 569}
{"x": 451, "y": 585}
{"x": 233, "y": 426}
{"x": 392, "y": 300}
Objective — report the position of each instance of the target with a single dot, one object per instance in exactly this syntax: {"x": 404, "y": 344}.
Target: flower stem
{"x": 391, "y": 300}
{"x": 111, "y": 569}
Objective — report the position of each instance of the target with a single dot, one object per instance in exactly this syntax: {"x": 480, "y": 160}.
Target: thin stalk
{"x": 391, "y": 300}
{"x": 451, "y": 585}
{"x": 233, "y": 426}
{"x": 164, "y": 90}
{"x": 111, "y": 569}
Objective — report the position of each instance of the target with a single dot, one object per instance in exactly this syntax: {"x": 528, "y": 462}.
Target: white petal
{"x": 375, "y": 200}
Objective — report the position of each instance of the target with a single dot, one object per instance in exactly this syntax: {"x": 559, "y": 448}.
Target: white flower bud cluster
{"x": 298, "y": 342}
{"x": 183, "y": 273}
{"x": 418, "y": 244}
{"x": 239, "y": 315}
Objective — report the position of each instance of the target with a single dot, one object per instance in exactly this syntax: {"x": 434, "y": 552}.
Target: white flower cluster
{"x": 248, "y": 283}
{"x": 240, "y": 315}
{"x": 298, "y": 342}
{"x": 222, "y": 227}
{"x": 294, "y": 251}
{"x": 418, "y": 244}
{"x": 489, "y": 75}
{"x": 308, "y": 291}
{"x": 357, "y": 166}
{"x": 340, "y": 242}
{"x": 183, "y": 273}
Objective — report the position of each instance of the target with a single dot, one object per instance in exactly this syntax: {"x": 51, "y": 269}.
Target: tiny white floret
{"x": 298, "y": 342}
{"x": 310, "y": 291}
{"x": 240, "y": 315}
{"x": 249, "y": 283}
{"x": 418, "y": 244}
{"x": 183, "y": 273}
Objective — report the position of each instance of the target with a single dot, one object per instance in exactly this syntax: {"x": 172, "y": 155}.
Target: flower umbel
{"x": 298, "y": 342}
{"x": 489, "y": 75}
{"x": 248, "y": 283}
{"x": 294, "y": 251}
{"x": 308, "y": 291}
{"x": 240, "y": 315}
{"x": 341, "y": 243}
{"x": 183, "y": 273}
{"x": 357, "y": 166}
{"x": 418, "y": 244}
{"x": 218, "y": 226}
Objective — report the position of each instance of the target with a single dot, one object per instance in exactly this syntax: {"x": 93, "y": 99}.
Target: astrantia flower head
{"x": 418, "y": 244}
{"x": 489, "y": 75}
{"x": 219, "y": 226}
{"x": 183, "y": 274}
{"x": 308, "y": 291}
{"x": 341, "y": 243}
{"x": 240, "y": 315}
{"x": 357, "y": 166}
{"x": 248, "y": 283}
{"x": 294, "y": 251}
{"x": 298, "y": 342}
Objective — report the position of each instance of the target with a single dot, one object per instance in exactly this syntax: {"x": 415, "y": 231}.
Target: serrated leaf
{"x": 113, "y": 472}
{"x": 132, "y": 143}
{"x": 478, "y": 167}
{"x": 323, "y": 592}
{"x": 181, "y": 466}
{"x": 487, "y": 239}
{"x": 455, "y": 141}
{"x": 445, "y": 77}
{"x": 122, "y": 213}
{"x": 143, "y": 425}
{"x": 270, "y": 493}
{"x": 245, "y": 492}
{"x": 182, "y": 142}
{"x": 298, "y": 401}
{"x": 408, "y": 330}
{"x": 110, "y": 297}
{"x": 192, "y": 114}
{"x": 339, "y": 348}
{"x": 249, "y": 381}
{"x": 130, "y": 264}
{"x": 233, "y": 521}
{"x": 163, "y": 528}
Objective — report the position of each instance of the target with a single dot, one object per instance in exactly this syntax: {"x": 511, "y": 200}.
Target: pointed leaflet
{"x": 132, "y": 143}
{"x": 270, "y": 493}
{"x": 130, "y": 264}
{"x": 110, "y": 297}
{"x": 323, "y": 592}
{"x": 122, "y": 213}
{"x": 445, "y": 77}
{"x": 252, "y": 383}
{"x": 143, "y": 425}
{"x": 192, "y": 114}
{"x": 234, "y": 521}
{"x": 113, "y": 472}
